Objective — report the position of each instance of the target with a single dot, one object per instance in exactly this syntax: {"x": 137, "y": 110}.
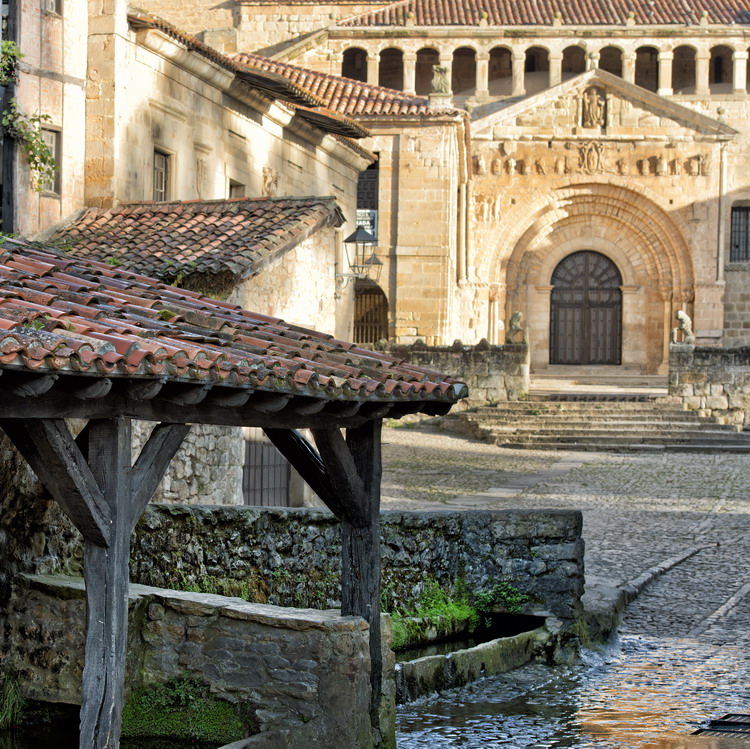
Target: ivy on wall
{"x": 26, "y": 130}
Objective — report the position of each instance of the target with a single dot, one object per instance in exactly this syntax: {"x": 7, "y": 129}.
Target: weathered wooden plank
{"x": 306, "y": 461}
{"x": 50, "y": 450}
{"x": 106, "y": 576}
{"x": 360, "y": 551}
{"x": 342, "y": 475}
{"x": 152, "y": 463}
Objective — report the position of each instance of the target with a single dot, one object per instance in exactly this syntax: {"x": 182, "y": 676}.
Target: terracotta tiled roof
{"x": 343, "y": 95}
{"x": 69, "y": 315}
{"x": 543, "y": 12}
{"x": 227, "y": 240}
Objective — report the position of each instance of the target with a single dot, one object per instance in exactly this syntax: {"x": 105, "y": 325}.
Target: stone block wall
{"x": 493, "y": 373}
{"x": 291, "y": 557}
{"x": 713, "y": 380}
{"x": 737, "y": 305}
{"x": 306, "y": 671}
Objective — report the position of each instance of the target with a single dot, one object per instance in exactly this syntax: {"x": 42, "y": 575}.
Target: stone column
{"x": 373, "y": 67}
{"x": 483, "y": 75}
{"x": 665, "y": 73}
{"x": 410, "y": 72}
{"x": 555, "y": 69}
{"x": 628, "y": 67}
{"x": 701, "y": 73}
{"x": 519, "y": 85}
{"x": 740, "y": 72}
{"x": 592, "y": 60}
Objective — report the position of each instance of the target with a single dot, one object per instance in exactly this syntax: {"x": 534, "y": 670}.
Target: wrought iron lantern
{"x": 360, "y": 258}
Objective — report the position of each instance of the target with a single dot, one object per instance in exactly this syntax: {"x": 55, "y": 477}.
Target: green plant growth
{"x": 181, "y": 709}
{"x": 9, "y": 57}
{"x": 435, "y": 603}
{"x": 26, "y": 130}
{"x": 503, "y": 595}
{"x": 12, "y": 702}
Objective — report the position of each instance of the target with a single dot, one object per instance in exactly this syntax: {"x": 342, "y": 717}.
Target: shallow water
{"x": 642, "y": 693}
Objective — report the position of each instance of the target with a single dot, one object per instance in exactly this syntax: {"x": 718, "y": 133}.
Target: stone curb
{"x": 604, "y": 601}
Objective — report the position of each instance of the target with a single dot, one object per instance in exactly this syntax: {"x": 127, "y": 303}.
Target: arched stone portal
{"x": 586, "y": 310}
{"x": 646, "y": 244}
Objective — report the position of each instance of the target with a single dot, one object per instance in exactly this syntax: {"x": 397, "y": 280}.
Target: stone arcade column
{"x": 519, "y": 84}
{"x": 665, "y": 73}
{"x": 701, "y": 73}
{"x": 592, "y": 60}
{"x": 740, "y": 72}
{"x": 555, "y": 69}
{"x": 628, "y": 67}
{"x": 410, "y": 73}
{"x": 483, "y": 75}
{"x": 373, "y": 67}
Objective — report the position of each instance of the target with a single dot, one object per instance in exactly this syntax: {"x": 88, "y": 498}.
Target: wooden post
{"x": 360, "y": 552}
{"x": 92, "y": 480}
{"x": 105, "y": 570}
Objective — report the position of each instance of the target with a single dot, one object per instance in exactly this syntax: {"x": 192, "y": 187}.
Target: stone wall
{"x": 713, "y": 380}
{"x": 493, "y": 373}
{"x": 737, "y": 305}
{"x": 291, "y": 557}
{"x": 307, "y": 671}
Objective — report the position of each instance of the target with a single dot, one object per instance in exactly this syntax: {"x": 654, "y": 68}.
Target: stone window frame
{"x": 52, "y": 7}
{"x": 52, "y": 136}
{"x": 162, "y": 169}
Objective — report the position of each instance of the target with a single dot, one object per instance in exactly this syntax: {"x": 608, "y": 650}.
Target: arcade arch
{"x": 647, "y": 68}
{"x": 391, "y": 69}
{"x": 354, "y": 64}
{"x": 536, "y": 70}
{"x": 427, "y": 57}
{"x": 610, "y": 59}
{"x": 683, "y": 70}
{"x": 573, "y": 62}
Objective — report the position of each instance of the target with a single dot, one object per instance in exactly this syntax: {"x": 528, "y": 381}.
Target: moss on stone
{"x": 181, "y": 709}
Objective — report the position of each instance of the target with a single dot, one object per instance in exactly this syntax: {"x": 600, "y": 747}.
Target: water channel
{"x": 639, "y": 693}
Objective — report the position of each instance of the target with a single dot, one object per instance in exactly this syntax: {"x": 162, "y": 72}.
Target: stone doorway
{"x": 586, "y": 310}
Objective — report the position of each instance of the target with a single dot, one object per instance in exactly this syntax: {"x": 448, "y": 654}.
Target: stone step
{"x": 636, "y": 435}
{"x": 680, "y": 417}
{"x": 619, "y": 439}
{"x": 693, "y": 447}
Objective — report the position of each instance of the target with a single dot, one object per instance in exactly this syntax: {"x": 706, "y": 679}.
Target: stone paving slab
{"x": 640, "y": 511}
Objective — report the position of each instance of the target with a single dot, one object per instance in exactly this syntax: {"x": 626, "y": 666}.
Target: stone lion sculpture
{"x": 515, "y": 333}
{"x": 684, "y": 329}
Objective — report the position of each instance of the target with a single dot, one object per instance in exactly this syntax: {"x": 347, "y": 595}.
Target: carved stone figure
{"x": 539, "y": 166}
{"x": 590, "y": 158}
{"x": 511, "y": 165}
{"x": 270, "y": 182}
{"x": 526, "y": 166}
{"x": 515, "y": 333}
{"x": 496, "y": 167}
{"x": 677, "y": 167}
{"x": 694, "y": 166}
{"x": 623, "y": 166}
{"x": 684, "y": 329}
{"x": 480, "y": 167}
{"x": 662, "y": 168}
{"x": 593, "y": 108}
{"x": 644, "y": 167}
{"x": 440, "y": 82}
{"x": 560, "y": 166}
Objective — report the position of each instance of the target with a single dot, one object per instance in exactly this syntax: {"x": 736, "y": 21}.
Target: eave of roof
{"x": 305, "y": 103}
{"x": 347, "y": 96}
{"x": 89, "y": 328}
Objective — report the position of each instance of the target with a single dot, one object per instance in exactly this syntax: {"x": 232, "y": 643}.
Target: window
{"x": 52, "y": 6}
{"x": 52, "y": 140}
{"x": 161, "y": 176}
{"x": 236, "y": 190}
{"x": 739, "y": 251}
{"x": 367, "y": 199}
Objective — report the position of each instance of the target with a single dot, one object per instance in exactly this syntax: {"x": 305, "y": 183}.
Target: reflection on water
{"x": 643, "y": 694}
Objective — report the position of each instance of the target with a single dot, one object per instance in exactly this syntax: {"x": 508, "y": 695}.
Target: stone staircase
{"x": 601, "y": 416}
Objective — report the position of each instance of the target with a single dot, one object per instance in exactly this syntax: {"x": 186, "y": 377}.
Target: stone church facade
{"x": 605, "y": 182}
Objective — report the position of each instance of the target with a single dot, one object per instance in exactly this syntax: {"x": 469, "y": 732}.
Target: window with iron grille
{"x": 370, "y": 313}
{"x": 266, "y": 473}
{"x": 52, "y": 140}
{"x": 739, "y": 250}
{"x": 161, "y": 175}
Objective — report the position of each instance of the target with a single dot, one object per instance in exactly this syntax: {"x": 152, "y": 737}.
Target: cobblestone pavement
{"x": 639, "y": 510}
